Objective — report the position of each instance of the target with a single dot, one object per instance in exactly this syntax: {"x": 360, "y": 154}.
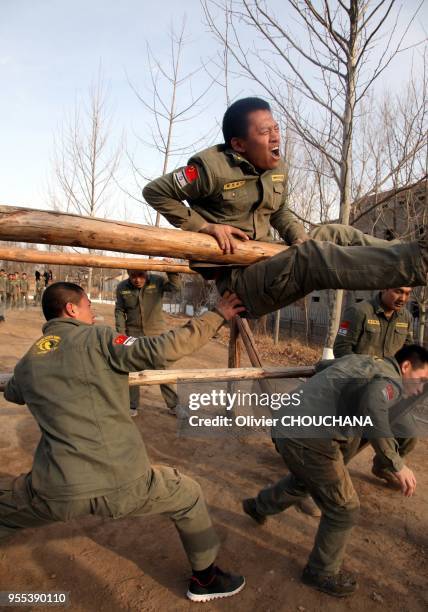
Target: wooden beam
{"x": 160, "y": 377}
{"x": 51, "y": 227}
{"x": 90, "y": 260}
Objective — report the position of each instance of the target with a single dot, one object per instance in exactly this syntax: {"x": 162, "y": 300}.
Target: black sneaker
{"x": 220, "y": 585}
{"x": 249, "y": 507}
{"x": 342, "y": 584}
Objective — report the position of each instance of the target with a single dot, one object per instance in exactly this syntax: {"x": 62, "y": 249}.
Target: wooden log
{"x": 160, "y": 377}
{"x": 51, "y": 227}
{"x": 91, "y": 261}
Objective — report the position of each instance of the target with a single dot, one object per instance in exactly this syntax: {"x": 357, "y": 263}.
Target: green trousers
{"x": 317, "y": 467}
{"x": 169, "y": 394}
{"x": 337, "y": 257}
{"x": 166, "y": 492}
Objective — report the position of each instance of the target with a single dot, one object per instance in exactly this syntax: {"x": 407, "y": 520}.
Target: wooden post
{"x": 48, "y": 227}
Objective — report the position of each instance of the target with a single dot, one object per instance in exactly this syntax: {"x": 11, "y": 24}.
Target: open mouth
{"x": 275, "y": 152}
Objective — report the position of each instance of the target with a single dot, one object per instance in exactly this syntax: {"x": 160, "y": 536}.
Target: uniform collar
{"x": 394, "y": 364}
{"x": 59, "y": 321}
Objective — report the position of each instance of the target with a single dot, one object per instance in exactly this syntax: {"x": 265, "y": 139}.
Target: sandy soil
{"x": 138, "y": 564}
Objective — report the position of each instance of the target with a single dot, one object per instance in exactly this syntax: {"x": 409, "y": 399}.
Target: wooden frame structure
{"x": 55, "y": 228}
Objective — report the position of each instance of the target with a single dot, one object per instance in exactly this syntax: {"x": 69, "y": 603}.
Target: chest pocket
{"x": 402, "y": 330}
{"x": 130, "y": 300}
{"x": 278, "y": 190}
{"x": 372, "y": 326}
{"x": 232, "y": 198}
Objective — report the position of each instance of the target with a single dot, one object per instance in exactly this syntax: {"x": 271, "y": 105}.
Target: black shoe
{"x": 342, "y": 584}
{"x": 220, "y": 585}
{"x": 249, "y": 507}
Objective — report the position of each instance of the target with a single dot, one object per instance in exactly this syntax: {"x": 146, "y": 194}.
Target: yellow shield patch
{"x": 47, "y": 344}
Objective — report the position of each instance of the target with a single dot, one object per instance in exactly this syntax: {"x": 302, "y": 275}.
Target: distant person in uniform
{"x": 24, "y": 287}
{"x": 38, "y": 291}
{"x": 379, "y": 327}
{"x": 138, "y": 312}
{"x": 91, "y": 458}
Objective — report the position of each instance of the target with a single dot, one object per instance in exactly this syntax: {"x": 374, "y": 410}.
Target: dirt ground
{"x": 138, "y": 564}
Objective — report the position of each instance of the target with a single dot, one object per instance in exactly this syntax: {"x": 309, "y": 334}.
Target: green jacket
{"x": 74, "y": 380}
{"x": 358, "y": 385}
{"x": 366, "y": 330}
{"x": 139, "y": 311}
{"x": 3, "y": 283}
{"x": 220, "y": 186}
{"x": 15, "y": 287}
{"x": 24, "y": 285}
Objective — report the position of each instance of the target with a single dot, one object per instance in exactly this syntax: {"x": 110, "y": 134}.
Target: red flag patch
{"x": 120, "y": 339}
{"x": 191, "y": 173}
{"x": 388, "y": 392}
{"x": 343, "y": 328}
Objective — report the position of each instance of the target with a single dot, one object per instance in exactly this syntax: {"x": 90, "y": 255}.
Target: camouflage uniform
{"x": 221, "y": 186}
{"x": 91, "y": 458}
{"x": 365, "y": 330}
{"x": 318, "y": 466}
{"x": 138, "y": 312}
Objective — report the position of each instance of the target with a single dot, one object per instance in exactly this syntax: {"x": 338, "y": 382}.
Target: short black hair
{"x": 416, "y": 354}
{"x": 235, "y": 120}
{"x": 57, "y": 295}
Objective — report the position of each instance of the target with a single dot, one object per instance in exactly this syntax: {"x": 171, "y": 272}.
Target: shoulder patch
{"x": 47, "y": 344}
{"x": 233, "y": 185}
{"x": 343, "y": 328}
{"x": 120, "y": 339}
{"x": 186, "y": 175}
{"x": 276, "y": 178}
{"x": 388, "y": 392}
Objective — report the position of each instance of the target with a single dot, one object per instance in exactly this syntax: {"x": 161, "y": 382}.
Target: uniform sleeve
{"x": 173, "y": 282}
{"x": 12, "y": 392}
{"x": 350, "y": 331}
{"x": 119, "y": 312}
{"x": 287, "y": 225}
{"x": 380, "y": 396}
{"x": 166, "y": 195}
{"x": 128, "y": 354}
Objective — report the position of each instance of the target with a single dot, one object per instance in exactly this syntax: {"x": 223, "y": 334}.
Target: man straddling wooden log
{"x": 237, "y": 190}
{"x": 91, "y": 458}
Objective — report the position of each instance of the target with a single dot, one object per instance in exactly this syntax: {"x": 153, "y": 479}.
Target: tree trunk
{"x": 30, "y": 225}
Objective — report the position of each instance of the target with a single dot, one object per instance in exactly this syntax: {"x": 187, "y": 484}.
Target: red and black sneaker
{"x": 220, "y": 585}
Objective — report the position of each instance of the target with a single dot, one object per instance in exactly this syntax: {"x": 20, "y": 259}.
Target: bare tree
{"x": 327, "y": 74}
{"x": 171, "y": 103}
{"x": 84, "y": 162}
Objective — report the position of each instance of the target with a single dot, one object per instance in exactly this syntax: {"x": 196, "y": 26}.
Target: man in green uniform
{"x": 15, "y": 291}
{"x": 358, "y": 385}
{"x": 238, "y": 191}
{"x": 91, "y": 458}
{"x": 24, "y": 287}
{"x": 38, "y": 291}
{"x": 138, "y": 312}
{"x": 379, "y": 327}
{"x": 9, "y": 290}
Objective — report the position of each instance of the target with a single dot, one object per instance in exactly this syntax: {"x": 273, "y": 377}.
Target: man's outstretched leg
{"x": 181, "y": 499}
{"x": 281, "y": 280}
